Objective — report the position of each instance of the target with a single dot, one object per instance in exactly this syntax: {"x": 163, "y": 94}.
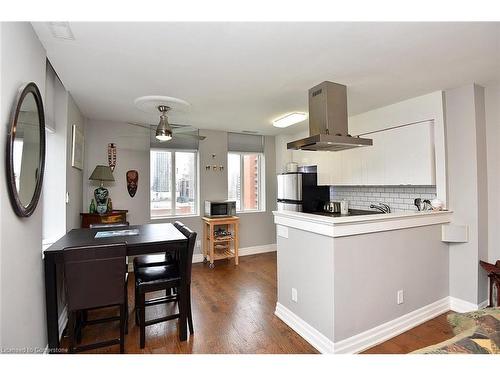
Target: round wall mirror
{"x": 26, "y": 151}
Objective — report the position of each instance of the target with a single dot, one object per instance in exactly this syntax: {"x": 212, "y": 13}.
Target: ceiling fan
{"x": 165, "y": 131}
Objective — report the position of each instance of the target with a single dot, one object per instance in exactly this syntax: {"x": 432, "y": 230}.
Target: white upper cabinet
{"x": 409, "y": 155}
{"x": 399, "y": 156}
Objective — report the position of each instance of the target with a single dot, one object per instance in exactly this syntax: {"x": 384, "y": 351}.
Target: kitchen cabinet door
{"x": 329, "y": 168}
{"x": 351, "y": 167}
{"x": 374, "y": 160}
{"x": 302, "y": 157}
{"x": 409, "y": 155}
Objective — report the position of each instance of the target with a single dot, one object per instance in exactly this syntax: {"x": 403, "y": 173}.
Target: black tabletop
{"x": 148, "y": 234}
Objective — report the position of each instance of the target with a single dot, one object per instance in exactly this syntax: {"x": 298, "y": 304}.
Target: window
{"x": 174, "y": 189}
{"x": 246, "y": 180}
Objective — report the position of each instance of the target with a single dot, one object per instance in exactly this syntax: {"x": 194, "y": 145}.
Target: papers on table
{"x": 117, "y": 233}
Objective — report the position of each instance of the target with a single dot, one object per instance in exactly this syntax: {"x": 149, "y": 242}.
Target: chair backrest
{"x": 94, "y": 275}
{"x": 109, "y": 225}
{"x": 191, "y": 236}
{"x": 178, "y": 225}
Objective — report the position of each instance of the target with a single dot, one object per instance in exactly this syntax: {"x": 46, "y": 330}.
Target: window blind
{"x": 245, "y": 142}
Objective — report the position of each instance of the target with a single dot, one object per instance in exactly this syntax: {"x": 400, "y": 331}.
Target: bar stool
{"x": 95, "y": 277}
{"x": 155, "y": 260}
{"x": 158, "y": 278}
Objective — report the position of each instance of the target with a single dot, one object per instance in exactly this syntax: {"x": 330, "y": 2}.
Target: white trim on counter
{"x": 359, "y": 224}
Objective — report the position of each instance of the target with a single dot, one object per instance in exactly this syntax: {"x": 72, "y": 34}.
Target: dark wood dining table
{"x": 151, "y": 238}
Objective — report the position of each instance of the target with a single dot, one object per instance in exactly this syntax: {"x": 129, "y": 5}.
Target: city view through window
{"x": 244, "y": 181}
{"x": 173, "y": 183}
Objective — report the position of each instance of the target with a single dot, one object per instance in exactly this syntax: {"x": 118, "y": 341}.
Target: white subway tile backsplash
{"x": 399, "y": 198}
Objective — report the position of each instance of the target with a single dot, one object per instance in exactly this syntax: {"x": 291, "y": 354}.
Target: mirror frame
{"x": 19, "y": 209}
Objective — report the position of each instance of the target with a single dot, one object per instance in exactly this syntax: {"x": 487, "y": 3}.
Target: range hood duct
{"x": 328, "y": 130}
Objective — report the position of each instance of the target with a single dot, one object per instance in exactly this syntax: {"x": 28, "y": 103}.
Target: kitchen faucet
{"x": 382, "y": 207}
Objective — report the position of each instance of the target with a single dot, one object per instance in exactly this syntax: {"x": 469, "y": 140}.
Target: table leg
{"x": 51, "y": 303}
{"x": 211, "y": 245}
{"x": 204, "y": 242}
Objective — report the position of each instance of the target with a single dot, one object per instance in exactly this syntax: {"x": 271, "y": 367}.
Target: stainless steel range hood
{"x": 328, "y": 129}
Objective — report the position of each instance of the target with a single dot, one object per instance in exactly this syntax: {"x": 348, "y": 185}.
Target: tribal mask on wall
{"x": 132, "y": 180}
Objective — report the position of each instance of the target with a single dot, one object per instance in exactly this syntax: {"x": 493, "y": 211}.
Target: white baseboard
{"x": 244, "y": 251}
{"x": 462, "y": 306}
{"x": 366, "y": 339}
{"x": 309, "y": 333}
{"x": 388, "y": 330}
{"x": 482, "y": 305}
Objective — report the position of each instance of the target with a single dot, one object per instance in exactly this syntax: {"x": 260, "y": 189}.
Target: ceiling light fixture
{"x": 61, "y": 30}
{"x": 290, "y": 119}
{"x": 163, "y": 131}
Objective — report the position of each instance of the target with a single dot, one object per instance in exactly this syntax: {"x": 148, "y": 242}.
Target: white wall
{"x": 54, "y": 204}
{"x": 492, "y": 110}
{"x": 133, "y": 153}
{"x": 466, "y": 149}
{"x": 368, "y": 274}
{"x": 22, "y": 315}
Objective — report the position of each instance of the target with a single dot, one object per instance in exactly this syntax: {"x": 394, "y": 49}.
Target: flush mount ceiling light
{"x": 61, "y": 30}
{"x": 290, "y": 119}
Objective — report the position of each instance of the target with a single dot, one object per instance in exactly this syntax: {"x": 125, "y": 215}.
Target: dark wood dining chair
{"x": 154, "y": 260}
{"x": 158, "y": 278}
{"x": 95, "y": 277}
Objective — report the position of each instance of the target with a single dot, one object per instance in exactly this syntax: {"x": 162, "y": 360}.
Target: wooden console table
{"x": 217, "y": 247}
{"x": 113, "y": 217}
{"x": 494, "y": 276}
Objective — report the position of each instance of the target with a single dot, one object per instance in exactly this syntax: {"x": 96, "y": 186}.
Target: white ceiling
{"x": 240, "y": 76}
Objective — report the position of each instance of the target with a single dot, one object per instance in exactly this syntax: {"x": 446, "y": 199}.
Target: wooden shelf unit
{"x": 215, "y": 248}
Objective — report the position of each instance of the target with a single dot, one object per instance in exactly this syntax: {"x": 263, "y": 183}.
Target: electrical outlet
{"x": 294, "y": 295}
{"x": 401, "y": 296}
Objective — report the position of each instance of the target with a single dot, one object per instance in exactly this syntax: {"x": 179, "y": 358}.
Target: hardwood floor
{"x": 233, "y": 312}
{"x": 428, "y": 333}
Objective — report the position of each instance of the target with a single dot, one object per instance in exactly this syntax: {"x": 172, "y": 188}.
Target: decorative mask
{"x": 132, "y": 180}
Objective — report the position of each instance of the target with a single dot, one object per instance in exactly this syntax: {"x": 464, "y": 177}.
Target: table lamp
{"x": 101, "y": 173}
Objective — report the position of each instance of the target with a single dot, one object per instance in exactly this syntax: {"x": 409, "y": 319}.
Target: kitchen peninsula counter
{"x": 358, "y": 224}
{"x": 340, "y": 278}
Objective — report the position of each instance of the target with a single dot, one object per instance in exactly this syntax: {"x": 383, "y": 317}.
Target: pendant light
{"x": 163, "y": 131}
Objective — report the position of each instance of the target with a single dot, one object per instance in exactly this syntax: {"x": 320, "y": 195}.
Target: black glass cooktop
{"x": 351, "y": 213}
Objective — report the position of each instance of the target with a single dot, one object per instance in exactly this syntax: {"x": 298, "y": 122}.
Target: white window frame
{"x": 261, "y": 185}
{"x": 174, "y": 184}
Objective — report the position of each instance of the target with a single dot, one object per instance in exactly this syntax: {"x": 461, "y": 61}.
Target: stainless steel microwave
{"x": 220, "y": 208}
